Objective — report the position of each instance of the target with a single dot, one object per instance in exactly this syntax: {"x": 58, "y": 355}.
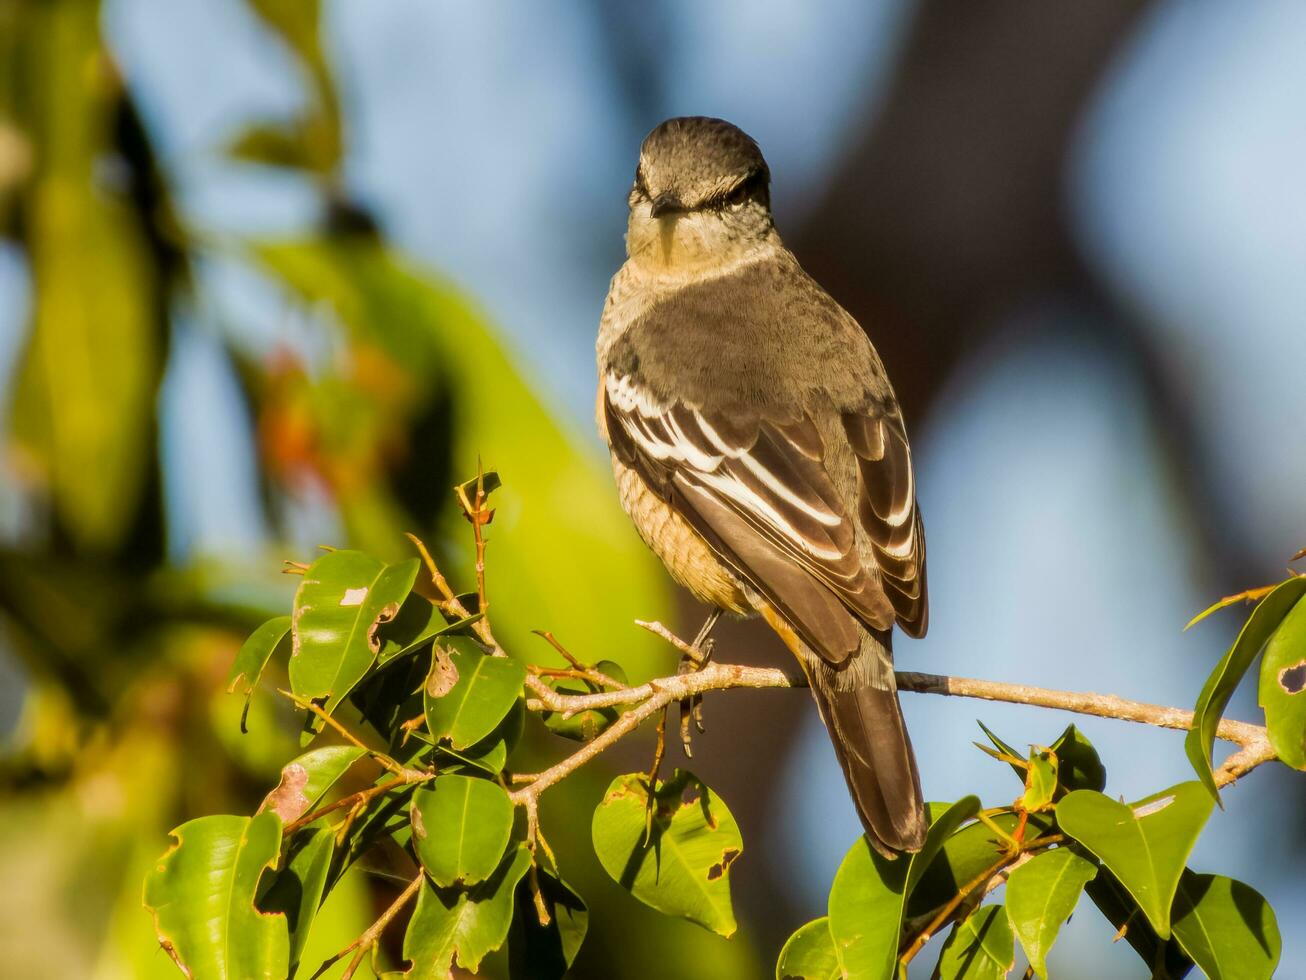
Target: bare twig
{"x": 309, "y": 705}
{"x": 368, "y": 939}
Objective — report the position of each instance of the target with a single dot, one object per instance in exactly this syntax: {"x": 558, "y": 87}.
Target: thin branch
{"x": 373, "y": 934}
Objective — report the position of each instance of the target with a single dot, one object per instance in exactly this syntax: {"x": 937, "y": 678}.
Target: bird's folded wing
{"x": 758, "y": 491}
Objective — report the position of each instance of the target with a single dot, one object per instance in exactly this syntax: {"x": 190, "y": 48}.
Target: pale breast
{"x": 686, "y": 555}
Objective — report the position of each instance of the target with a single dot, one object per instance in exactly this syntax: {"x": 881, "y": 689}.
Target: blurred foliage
{"x": 123, "y": 651}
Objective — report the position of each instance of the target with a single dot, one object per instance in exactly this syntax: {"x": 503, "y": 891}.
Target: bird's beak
{"x": 666, "y": 203}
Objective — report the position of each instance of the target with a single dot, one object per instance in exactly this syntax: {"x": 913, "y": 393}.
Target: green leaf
{"x": 343, "y": 599}
{"x": 1145, "y": 844}
{"x": 586, "y": 725}
{"x": 809, "y": 954}
{"x": 202, "y": 891}
{"x": 1041, "y": 895}
{"x": 1040, "y": 780}
{"x": 1163, "y": 958}
{"x": 1003, "y": 749}
{"x": 978, "y": 948}
{"x": 486, "y": 689}
{"x": 253, "y": 656}
{"x": 870, "y": 892}
{"x": 305, "y": 780}
{"x": 461, "y": 827}
{"x": 417, "y": 623}
{"x": 490, "y": 754}
{"x": 1228, "y": 928}
{"x": 272, "y": 145}
{"x": 299, "y": 887}
{"x": 537, "y": 952}
{"x": 1078, "y": 764}
{"x": 684, "y": 866}
{"x": 464, "y": 922}
{"x": 1283, "y": 688}
{"x": 1219, "y": 687}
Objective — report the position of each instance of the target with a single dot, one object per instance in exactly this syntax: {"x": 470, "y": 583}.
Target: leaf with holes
{"x": 461, "y": 827}
{"x": 342, "y": 601}
{"x": 1041, "y": 894}
{"x": 979, "y": 947}
{"x": 870, "y": 892}
{"x": 486, "y": 690}
{"x": 1219, "y": 687}
{"x": 809, "y": 954}
{"x": 1283, "y": 688}
{"x": 683, "y": 868}
{"x": 201, "y": 893}
{"x": 466, "y": 923}
{"x": 253, "y": 656}
{"x": 1228, "y": 928}
{"x": 305, "y": 780}
{"x": 1145, "y": 844}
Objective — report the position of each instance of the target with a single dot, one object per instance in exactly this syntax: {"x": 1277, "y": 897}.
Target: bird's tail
{"x": 859, "y": 705}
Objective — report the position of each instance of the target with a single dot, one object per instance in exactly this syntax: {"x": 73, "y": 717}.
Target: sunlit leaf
{"x": 1228, "y": 928}
{"x": 417, "y": 623}
{"x": 1041, "y": 894}
{"x": 1145, "y": 844}
{"x": 342, "y": 601}
{"x": 485, "y": 691}
{"x": 1040, "y": 780}
{"x": 305, "y": 780}
{"x": 253, "y": 656}
{"x": 202, "y": 892}
{"x": 299, "y": 887}
{"x": 1013, "y": 755}
{"x": 978, "y": 948}
{"x": 809, "y": 954}
{"x": 1283, "y": 688}
{"x": 1219, "y": 687}
{"x": 464, "y": 922}
{"x": 546, "y": 952}
{"x": 683, "y": 868}
{"x": 461, "y": 827}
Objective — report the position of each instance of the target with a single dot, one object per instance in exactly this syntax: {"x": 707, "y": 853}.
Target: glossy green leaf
{"x": 546, "y": 952}
{"x": 1219, "y": 687}
{"x": 343, "y": 599}
{"x": 305, "y": 780}
{"x": 491, "y": 753}
{"x": 870, "y": 893}
{"x": 252, "y": 657}
{"x": 461, "y": 827}
{"x": 809, "y": 954}
{"x": 1164, "y": 959}
{"x": 979, "y": 947}
{"x": 299, "y": 887}
{"x": 417, "y": 623}
{"x": 1283, "y": 687}
{"x": 201, "y": 893}
{"x": 1078, "y": 764}
{"x": 1228, "y": 928}
{"x": 1040, "y": 780}
{"x": 466, "y": 923}
{"x": 485, "y": 691}
{"x": 1041, "y": 894}
{"x": 1145, "y": 844}
{"x": 585, "y": 725}
{"x": 683, "y": 868}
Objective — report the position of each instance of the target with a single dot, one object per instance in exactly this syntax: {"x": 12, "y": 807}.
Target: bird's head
{"x": 701, "y": 195}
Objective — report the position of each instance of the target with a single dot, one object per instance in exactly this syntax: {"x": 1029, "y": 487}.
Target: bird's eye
{"x": 739, "y": 195}
{"x": 744, "y": 190}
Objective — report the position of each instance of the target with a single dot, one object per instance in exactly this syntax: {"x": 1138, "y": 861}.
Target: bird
{"x": 759, "y": 449}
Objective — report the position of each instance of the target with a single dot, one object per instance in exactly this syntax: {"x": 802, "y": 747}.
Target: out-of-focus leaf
{"x": 202, "y": 896}
{"x": 1219, "y": 687}
{"x": 486, "y": 689}
{"x": 537, "y": 952}
{"x": 1283, "y": 688}
{"x": 254, "y": 655}
{"x": 272, "y": 145}
{"x": 1041, "y": 895}
{"x": 1247, "y": 595}
{"x": 85, "y": 390}
{"x": 1145, "y": 844}
{"x": 571, "y": 508}
{"x": 343, "y": 599}
{"x": 683, "y": 868}
{"x": 1078, "y": 764}
{"x": 978, "y": 948}
{"x": 298, "y": 888}
{"x": 1163, "y": 958}
{"x": 870, "y": 893}
{"x": 464, "y": 922}
{"x": 1228, "y": 928}
{"x": 461, "y": 827}
{"x": 809, "y": 954}
{"x": 306, "y": 779}
{"x": 1040, "y": 780}
{"x": 591, "y": 723}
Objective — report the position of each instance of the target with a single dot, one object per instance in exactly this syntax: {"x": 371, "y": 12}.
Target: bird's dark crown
{"x": 693, "y": 163}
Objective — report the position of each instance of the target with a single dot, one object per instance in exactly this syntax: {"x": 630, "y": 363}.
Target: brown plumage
{"x": 760, "y": 451}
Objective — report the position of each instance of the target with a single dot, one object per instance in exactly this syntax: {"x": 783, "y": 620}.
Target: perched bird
{"x": 759, "y": 449}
